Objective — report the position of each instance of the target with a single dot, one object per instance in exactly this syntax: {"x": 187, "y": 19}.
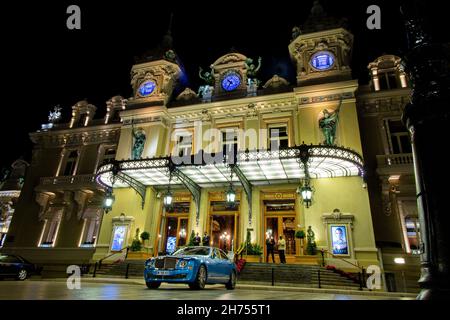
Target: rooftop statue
{"x": 252, "y": 70}
{"x": 328, "y": 124}
{"x": 55, "y": 115}
{"x": 295, "y": 33}
{"x": 207, "y": 76}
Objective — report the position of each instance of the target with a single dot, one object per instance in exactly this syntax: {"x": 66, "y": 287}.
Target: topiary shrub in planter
{"x": 191, "y": 239}
{"x": 136, "y": 245}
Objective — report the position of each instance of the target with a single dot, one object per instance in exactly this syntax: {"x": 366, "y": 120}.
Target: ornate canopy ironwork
{"x": 258, "y": 167}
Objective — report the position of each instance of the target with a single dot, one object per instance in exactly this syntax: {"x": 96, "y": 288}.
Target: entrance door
{"x": 223, "y": 231}
{"x": 284, "y": 226}
{"x": 175, "y": 234}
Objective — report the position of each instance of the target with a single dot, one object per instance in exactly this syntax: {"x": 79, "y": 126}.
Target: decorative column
{"x": 427, "y": 118}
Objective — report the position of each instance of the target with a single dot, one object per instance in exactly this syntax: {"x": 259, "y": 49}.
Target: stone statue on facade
{"x": 138, "y": 145}
{"x": 252, "y": 69}
{"x": 295, "y": 33}
{"x": 328, "y": 124}
{"x": 206, "y": 91}
{"x": 207, "y": 76}
{"x": 55, "y": 115}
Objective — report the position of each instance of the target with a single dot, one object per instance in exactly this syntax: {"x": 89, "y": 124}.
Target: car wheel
{"x": 200, "y": 280}
{"x": 22, "y": 275}
{"x": 231, "y": 284}
{"x": 153, "y": 285}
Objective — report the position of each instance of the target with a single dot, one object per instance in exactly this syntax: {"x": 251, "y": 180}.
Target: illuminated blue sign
{"x": 147, "y": 88}
{"x": 322, "y": 60}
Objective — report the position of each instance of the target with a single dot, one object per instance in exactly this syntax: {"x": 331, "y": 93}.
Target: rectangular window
{"x": 278, "y": 137}
{"x": 184, "y": 145}
{"x": 109, "y": 155}
{"x": 51, "y": 228}
{"x": 399, "y": 137}
{"x": 230, "y": 142}
{"x": 90, "y": 233}
{"x": 71, "y": 162}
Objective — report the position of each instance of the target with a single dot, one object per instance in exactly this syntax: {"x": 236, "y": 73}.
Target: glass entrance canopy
{"x": 262, "y": 167}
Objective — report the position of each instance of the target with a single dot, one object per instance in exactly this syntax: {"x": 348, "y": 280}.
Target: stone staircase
{"x": 294, "y": 275}
{"x": 119, "y": 269}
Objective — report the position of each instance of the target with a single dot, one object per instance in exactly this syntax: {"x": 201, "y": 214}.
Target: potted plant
{"x": 145, "y": 236}
{"x": 300, "y": 235}
{"x": 136, "y": 246}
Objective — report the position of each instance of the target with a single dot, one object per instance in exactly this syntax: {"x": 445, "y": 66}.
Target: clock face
{"x": 231, "y": 81}
{"x": 147, "y": 88}
{"x": 322, "y": 60}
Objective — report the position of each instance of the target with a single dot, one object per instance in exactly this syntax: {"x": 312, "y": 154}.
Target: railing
{"x": 361, "y": 270}
{"x": 82, "y": 178}
{"x": 98, "y": 264}
{"x": 395, "y": 159}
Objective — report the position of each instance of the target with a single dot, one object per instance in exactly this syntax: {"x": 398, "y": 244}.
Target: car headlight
{"x": 150, "y": 263}
{"x": 182, "y": 263}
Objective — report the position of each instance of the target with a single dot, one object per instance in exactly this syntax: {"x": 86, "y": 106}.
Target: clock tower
{"x": 321, "y": 49}
{"x": 155, "y": 74}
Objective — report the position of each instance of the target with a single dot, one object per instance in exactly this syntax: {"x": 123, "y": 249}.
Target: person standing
{"x": 281, "y": 249}
{"x": 205, "y": 240}
{"x": 197, "y": 240}
{"x": 270, "y": 244}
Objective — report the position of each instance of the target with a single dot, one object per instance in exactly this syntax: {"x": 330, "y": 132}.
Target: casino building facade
{"x": 290, "y": 153}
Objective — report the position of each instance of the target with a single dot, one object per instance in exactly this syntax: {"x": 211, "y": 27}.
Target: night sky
{"x": 45, "y": 64}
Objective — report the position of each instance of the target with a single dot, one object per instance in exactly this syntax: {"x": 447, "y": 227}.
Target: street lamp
{"x": 306, "y": 193}
{"x": 168, "y": 197}
{"x": 108, "y": 201}
{"x": 231, "y": 194}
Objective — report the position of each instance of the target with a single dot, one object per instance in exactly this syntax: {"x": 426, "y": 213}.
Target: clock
{"x": 322, "y": 60}
{"x": 231, "y": 81}
{"x": 147, "y": 88}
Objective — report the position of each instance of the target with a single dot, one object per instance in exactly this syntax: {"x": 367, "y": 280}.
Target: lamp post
{"x": 108, "y": 201}
{"x": 231, "y": 194}
{"x": 427, "y": 118}
{"x": 306, "y": 192}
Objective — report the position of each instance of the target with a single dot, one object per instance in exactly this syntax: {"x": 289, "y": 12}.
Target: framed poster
{"x": 171, "y": 244}
{"x": 119, "y": 234}
{"x": 339, "y": 240}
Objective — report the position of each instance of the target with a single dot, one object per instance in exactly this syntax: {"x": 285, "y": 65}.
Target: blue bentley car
{"x": 196, "y": 266}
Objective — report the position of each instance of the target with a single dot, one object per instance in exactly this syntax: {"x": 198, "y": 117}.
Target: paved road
{"x": 57, "y": 290}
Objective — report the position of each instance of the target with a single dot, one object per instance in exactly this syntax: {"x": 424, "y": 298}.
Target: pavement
{"x": 135, "y": 289}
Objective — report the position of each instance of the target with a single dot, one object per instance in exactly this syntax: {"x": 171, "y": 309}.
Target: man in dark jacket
{"x": 205, "y": 239}
{"x": 270, "y": 244}
{"x": 197, "y": 240}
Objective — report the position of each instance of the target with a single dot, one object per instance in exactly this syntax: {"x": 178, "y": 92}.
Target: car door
{"x": 225, "y": 267}
{"x": 213, "y": 265}
{"x": 7, "y": 264}
{"x": 3, "y": 264}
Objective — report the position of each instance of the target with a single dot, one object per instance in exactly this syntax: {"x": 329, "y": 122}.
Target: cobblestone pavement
{"x": 57, "y": 290}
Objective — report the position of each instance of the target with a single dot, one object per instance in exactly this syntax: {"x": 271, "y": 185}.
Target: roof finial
{"x": 168, "y": 40}
{"x": 169, "y": 30}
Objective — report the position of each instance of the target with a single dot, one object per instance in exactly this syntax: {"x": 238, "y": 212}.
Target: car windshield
{"x": 194, "y": 251}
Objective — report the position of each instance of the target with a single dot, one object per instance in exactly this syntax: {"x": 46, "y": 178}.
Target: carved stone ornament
{"x": 187, "y": 94}
{"x": 276, "y": 82}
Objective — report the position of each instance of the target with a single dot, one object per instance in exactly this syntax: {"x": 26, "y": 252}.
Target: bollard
{"x": 95, "y": 270}
{"x": 273, "y": 277}
{"x": 360, "y": 281}
{"x": 318, "y": 277}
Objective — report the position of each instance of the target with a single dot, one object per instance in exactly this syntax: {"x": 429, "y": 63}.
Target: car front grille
{"x": 166, "y": 263}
